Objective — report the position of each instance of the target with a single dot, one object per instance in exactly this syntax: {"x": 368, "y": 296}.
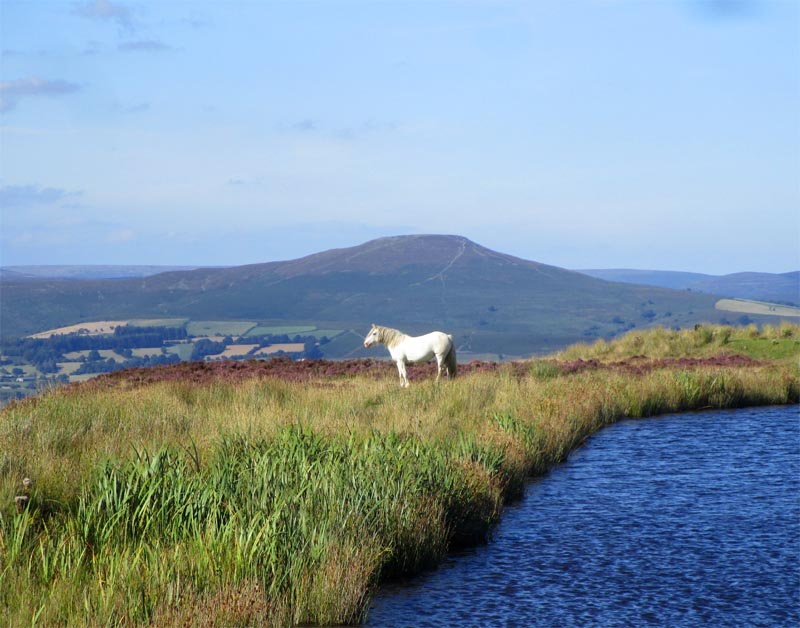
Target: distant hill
{"x": 36, "y": 272}
{"x": 663, "y": 278}
{"x": 781, "y": 288}
{"x": 491, "y": 302}
{"x": 778, "y": 288}
{"x": 15, "y": 275}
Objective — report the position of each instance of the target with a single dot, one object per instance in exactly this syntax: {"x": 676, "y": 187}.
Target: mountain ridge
{"x": 773, "y": 287}
{"x": 491, "y": 301}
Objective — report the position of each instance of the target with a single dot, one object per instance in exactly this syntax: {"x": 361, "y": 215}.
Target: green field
{"x": 43, "y": 372}
{"x": 68, "y": 368}
{"x": 760, "y": 308}
{"x": 106, "y": 354}
{"x": 145, "y": 351}
{"x": 219, "y": 328}
{"x": 349, "y": 344}
{"x": 329, "y": 333}
{"x": 268, "y": 502}
{"x": 279, "y": 330}
{"x": 183, "y": 350}
{"x": 158, "y": 322}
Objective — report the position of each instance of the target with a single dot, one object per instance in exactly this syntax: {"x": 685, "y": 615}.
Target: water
{"x": 682, "y": 520}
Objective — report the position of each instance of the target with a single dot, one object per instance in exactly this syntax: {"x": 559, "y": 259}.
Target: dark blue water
{"x": 682, "y": 520}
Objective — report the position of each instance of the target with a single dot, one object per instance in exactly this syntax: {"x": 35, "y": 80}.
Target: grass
{"x": 92, "y": 329}
{"x": 158, "y": 322}
{"x": 104, "y": 353}
{"x": 182, "y": 349}
{"x": 219, "y": 328}
{"x": 771, "y": 342}
{"x": 276, "y": 503}
{"x": 278, "y": 330}
{"x": 146, "y": 351}
{"x": 757, "y": 307}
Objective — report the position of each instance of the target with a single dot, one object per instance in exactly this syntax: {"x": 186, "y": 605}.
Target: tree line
{"x": 107, "y": 366}
{"x": 44, "y": 353}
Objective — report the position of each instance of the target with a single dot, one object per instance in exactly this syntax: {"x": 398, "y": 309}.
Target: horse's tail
{"x": 450, "y": 359}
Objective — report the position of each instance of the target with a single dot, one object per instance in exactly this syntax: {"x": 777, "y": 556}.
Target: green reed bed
{"x": 275, "y": 503}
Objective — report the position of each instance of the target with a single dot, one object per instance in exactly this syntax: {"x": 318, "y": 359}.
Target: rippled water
{"x": 682, "y": 520}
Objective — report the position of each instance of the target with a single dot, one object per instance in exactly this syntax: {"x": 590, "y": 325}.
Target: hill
{"x": 490, "y": 301}
{"x": 781, "y": 288}
{"x": 10, "y": 274}
{"x": 37, "y": 272}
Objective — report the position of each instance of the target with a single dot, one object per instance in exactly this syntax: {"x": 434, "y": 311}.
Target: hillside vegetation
{"x": 772, "y": 342}
{"x": 77, "y": 353}
{"x": 491, "y": 302}
{"x": 262, "y": 500}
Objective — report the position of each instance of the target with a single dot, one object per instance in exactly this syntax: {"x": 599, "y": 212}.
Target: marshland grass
{"x": 274, "y": 503}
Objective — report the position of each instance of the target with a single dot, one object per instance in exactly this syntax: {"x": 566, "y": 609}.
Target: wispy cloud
{"x": 17, "y": 196}
{"x": 725, "y": 9}
{"x": 305, "y": 125}
{"x": 368, "y": 127}
{"x": 94, "y": 48}
{"x": 245, "y": 181}
{"x": 145, "y": 45}
{"x": 130, "y": 109}
{"x": 194, "y": 23}
{"x": 120, "y": 235}
{"x": 107, "y": 11}
{"x": 311, "y": 125}
{"x": 12, "y": 91}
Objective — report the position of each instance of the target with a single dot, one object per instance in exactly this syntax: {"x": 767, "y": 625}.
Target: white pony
{"x": 405, "y": 349}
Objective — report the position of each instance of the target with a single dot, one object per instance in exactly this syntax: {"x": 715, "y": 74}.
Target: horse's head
{"x": 372, "y": 336}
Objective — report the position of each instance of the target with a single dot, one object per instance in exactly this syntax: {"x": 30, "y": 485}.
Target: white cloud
{"x": 145, "y": 45}
{"x": 12, "y": 91}
{"x": 105, "y": 10}
{"x": 28, "y": 195}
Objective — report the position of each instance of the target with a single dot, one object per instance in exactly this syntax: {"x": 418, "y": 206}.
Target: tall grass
{"x": 773, "y": 342}
{"x": 275, "y": 503}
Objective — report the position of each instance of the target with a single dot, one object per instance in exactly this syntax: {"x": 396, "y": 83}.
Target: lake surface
{"x": 681, "y": 520}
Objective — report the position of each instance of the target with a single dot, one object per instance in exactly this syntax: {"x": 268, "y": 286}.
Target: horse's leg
{"x": 439, "y": 360}
{"x": 401, "y": 368}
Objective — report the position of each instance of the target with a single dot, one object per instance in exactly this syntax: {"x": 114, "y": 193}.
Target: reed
{"x": 276, "y": 503}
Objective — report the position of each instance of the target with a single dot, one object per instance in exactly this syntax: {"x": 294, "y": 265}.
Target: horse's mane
{"x": 388, "y": 336}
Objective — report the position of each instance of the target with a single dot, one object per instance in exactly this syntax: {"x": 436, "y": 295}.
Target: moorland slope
{"x": 489, "y": 300}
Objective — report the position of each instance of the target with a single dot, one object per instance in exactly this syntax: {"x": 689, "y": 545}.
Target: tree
{"x": 311, "y": 351}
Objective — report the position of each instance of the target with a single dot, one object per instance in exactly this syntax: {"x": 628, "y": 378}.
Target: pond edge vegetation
{"x": 265, "y": 501}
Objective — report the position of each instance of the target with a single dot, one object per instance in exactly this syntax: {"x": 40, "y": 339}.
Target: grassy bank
{"x": 771, "y": 342}
{"x": 270, "y": 502}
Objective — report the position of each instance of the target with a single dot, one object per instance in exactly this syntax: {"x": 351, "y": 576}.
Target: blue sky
{"x": 584, "y": 134}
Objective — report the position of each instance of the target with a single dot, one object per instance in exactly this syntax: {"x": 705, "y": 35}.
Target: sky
{"x": 653, "y": 134}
